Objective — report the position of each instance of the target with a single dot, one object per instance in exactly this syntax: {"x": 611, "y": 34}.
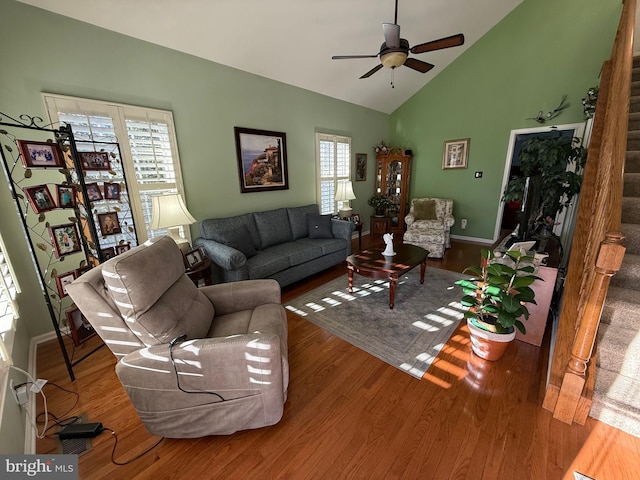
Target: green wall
{"x": 45, "y": 52}
{"x": 542, "y": 50}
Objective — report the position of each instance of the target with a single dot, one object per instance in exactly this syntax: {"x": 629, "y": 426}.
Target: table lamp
{"x": 344, "y": 193}
{"x": 170, "y": 212}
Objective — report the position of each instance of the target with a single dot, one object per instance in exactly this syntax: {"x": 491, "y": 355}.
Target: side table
{"x": 201, "y": 272}
{"x": 378, "y": 227}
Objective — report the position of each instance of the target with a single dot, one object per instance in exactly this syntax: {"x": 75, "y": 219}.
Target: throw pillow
{"x": 238, "y": 238}
{"x": 425, "y": 210}
{"x": 319, "y": 226}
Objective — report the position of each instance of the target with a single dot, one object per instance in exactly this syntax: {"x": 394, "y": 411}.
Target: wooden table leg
{"x": 423, "y": 268}
{"x": 350, "y": 276}
{"x": 393, "y": 279}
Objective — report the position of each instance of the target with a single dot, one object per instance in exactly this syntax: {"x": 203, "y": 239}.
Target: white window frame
{"x": 119, "y": 114}
{"x": 339, "y": 172}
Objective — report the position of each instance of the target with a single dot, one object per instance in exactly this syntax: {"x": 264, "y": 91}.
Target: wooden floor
{"x": 349, "y": 415}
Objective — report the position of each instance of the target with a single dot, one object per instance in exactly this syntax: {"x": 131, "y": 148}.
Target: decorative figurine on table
{"x": 388, "y": 240}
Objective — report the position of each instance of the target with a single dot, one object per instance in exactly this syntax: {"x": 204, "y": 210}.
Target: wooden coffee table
{"x": 372, "y": 264}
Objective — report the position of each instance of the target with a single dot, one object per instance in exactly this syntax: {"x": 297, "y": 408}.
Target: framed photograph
{"x": 65, "y": 239}
{"x": 193, "y": 259}
{"x": 108, "y": 253}
{"x": 63, "y": 280}
{"x": 40, "y": 154}
{"x": 355, "y": 218}
{"x": 111, "y": 191}
{"x": 455, "y": 153}
{"x": 122, "y": 248}
{"x": 95, "y": 160}
{"x": 66, "y": 196}
{"x": 262, "y": 160}
{"x": 82, "y": 270}
{"x": 109, "y": 223}
{"x": 40, "y": 198}
{"x": 81, "y": 329}
{"x": 93, "y": 192}
{"x": 361, "y": 167}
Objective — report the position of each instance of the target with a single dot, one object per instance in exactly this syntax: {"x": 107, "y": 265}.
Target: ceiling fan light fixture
{"x": 393, "y": 59}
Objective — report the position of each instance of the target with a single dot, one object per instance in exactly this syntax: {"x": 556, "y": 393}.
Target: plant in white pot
{"x": 497, "y": 296}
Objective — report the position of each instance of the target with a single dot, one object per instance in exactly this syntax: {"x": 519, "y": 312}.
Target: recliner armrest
{"x": 243, "y": 295}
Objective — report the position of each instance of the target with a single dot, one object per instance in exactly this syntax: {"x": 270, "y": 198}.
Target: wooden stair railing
{"x": 596, "y": 250}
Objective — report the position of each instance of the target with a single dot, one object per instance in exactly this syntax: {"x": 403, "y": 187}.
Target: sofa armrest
{"x": 449, "y": 220}
{"x": 243, "y": 295}
{"x": 226, "y": 257}
{"x": 343, "y": 229}
{"x": 409, "y": 219}
{"x": 233, "y": 367}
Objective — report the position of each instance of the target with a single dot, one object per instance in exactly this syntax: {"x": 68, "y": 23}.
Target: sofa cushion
{"x": 298, "y": 219}
{"x": 238, "y": 238}
{"x": 327, "y": 245}
{"x": 319, "y": 226}
{"x": 213, "y": 228}
{"x": 266, "y": 263}
{"x": 273, "y": 227}
{"x": 424, "y": 209}
{"x": 297, "y": 252}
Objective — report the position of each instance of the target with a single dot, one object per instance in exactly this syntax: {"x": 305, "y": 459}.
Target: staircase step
{"x": 621, "y": 307}
{"x": 629, "y": 274}
{"x": 635, "y": 73}
{"x": 631, "y": 185}
{"x": 634, "y": 120}
{"x": 631, "y": 232}
{"x": 618, "y": 351}
{"x": 632, "y": 162}
{"x": 630, "y": 210}
{"x": 616, "y": 401}
{"x": 635, "y": 87}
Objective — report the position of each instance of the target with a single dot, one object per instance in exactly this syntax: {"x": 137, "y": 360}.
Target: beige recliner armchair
{"x": 229, "y": 373}
{"x": 429, "y": 223}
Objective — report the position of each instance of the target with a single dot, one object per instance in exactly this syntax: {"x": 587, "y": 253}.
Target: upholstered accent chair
{"x": 429, "y": 223}
{"x": 194, "y": 361}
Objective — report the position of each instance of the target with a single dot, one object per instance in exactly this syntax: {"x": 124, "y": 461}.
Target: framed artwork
{"x": 93, "y": 192}
{"x": 40, "y": 198}
{"x": 361, "y": 167}
{"x": 193, "y": 259}
{"x": 81, "y": 329}
{"x": 66, "y": 196}
{"x": 65, "y": 239}
{"x": 109, "y": 223}
{"x": 112, "y": 191}
{"x": 40, "y": 154}
{"x": 63, "y": 280}
{"x": 122, "y": 248}
{"x": 95, "y": 160}
{"x": 355, "y": 218}
{"x": 262, "y": 160}
{"x": 82, "y": 270}
{"x": 455, "y": 153}
{"x": 108, "y": 253}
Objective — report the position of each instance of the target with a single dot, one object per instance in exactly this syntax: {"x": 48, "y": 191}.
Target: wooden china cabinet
{"x": 393, "y": 174}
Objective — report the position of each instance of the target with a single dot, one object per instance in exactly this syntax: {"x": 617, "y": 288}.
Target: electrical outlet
{"x": 463, "y": 223}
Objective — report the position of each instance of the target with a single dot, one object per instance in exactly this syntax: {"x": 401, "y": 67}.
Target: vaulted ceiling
{"x": 292, "y": 41}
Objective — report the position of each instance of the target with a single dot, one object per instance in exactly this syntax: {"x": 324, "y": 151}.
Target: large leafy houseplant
{"x": 497, "y": 294}
{"x": 379, "y": 202}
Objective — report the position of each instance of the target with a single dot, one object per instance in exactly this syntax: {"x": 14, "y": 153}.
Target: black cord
{"x": 113, "y": 452}
{"x": 172, "y": 343}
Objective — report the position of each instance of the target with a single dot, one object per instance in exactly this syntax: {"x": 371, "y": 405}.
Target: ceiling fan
{"x": 394, "y": 52}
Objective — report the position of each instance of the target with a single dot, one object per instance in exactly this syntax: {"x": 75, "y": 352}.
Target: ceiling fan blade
{"x": 446, "y": 42}
{"x": 346, "y": 57}
{"x": 418, "y": 65}
{"x": 372, "y": 71}
{"x": 391, "y": 34}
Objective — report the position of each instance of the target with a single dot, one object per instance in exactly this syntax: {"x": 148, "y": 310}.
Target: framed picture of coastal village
{"x": 262, "y": 160}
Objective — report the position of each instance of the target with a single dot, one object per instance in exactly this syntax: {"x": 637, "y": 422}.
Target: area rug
{"x": 408, "y": 337}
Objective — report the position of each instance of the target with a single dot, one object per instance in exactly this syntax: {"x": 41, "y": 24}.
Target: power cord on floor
{"x": 127, "y": 462}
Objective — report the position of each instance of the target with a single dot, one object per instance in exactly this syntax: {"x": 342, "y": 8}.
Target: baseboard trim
{"x": 473, "y": 239}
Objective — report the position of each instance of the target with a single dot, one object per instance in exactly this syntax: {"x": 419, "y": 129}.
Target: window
{"x": 334, "y": 164}
{"x": 147, "y": 143}
{"x": 9, "y": 288}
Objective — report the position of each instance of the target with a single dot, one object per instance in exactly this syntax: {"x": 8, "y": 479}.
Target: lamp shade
{"x": 169, "y": 211}
{"x": 344, "y": 191}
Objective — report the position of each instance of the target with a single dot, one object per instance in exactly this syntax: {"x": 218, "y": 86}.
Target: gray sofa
{"x": 286, "y": 244}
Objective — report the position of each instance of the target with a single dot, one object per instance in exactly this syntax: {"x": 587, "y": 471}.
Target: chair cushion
{"x": 153, "y": 294}
{"x": 424, "y": 209}
{"x": 319, "y": 226}
{"x": 238, "y": 238}
{"x": 273, "y": 227}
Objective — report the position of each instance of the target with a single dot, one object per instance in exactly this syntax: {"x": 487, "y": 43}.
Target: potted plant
{"x": 380, "y": 203}
{"x": 496, "y": 298}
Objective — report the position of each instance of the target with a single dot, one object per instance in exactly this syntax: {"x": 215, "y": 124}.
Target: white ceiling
{"x": 292, "y": 41}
